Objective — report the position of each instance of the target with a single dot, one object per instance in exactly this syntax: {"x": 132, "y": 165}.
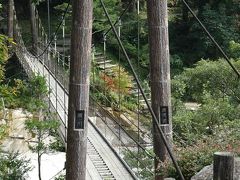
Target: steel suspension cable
{"x": 125, "y": 131}
{"x": 120, "y": 17}
{"x": 142, "y": 92}
{"x": 117, "y": 21}
{"x": 55, "y": 33}
{"x": 212, "y": 38}
{"x": 119, "y": 74}
{"x": 138, "y": 97}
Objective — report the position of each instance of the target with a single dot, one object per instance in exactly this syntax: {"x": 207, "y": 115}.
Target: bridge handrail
{"x": 24, "y": 55}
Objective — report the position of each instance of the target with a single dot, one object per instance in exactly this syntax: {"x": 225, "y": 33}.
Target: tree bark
{"x": 160, "y": 78}
{"x": 79, "y": 88}
{"x": 10, "y": 18}
{"x": 39, "y": 166}
{"x": 33, "y": 27}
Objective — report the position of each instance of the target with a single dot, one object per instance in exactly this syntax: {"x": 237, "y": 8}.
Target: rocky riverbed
{"x": 18, "y": 140}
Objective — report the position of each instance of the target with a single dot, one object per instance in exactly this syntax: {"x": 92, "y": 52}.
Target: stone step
{"x": 135, "y": 91}
{"x": 103, "y": 62}
{"x": 98, "y": 54}
{"x": 100, "y": 58}
{"x": 62, "y": 49}
{"x": 107, "y": 66}
{"x": 143, "y": 101}
{"x": 67, "y": 44}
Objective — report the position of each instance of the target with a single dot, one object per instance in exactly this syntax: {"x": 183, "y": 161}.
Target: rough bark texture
{"x": 160, "y": 75}
{"x": 79, "y": 88}
{"x": 223, "y": 166}
{"x": 33, "y": 26}
{"x": 10, "y": 18}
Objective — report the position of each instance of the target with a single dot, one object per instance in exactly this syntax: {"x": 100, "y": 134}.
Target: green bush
{"x": 26, "y": 94}
{"x": 214, "y": 77}
{"x": 13, "y": 167}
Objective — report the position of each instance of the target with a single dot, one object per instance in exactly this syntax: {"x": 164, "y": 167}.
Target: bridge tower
{"x": 81, "y": 38}
{"x": 160, "y": 78}
{"x": 10, "y": 18}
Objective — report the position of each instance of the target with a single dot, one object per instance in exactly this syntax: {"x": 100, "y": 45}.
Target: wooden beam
{"x": 223, "y": 166}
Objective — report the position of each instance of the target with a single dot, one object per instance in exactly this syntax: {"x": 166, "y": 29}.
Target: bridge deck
{"x": 102, "y": 162}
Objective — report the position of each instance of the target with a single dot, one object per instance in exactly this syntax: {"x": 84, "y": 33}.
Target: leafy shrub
{"x": 3, "y": 55}
{"x": 234, "y": 49}
{"x": 13, "y": 167}
{"x": 26, "y": 94}
{"x": 206, "y": 77}
{"x": 3, "y": 131}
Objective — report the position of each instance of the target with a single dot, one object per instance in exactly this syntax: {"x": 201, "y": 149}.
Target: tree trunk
{"x": 160, "y": 78}
{"x": 79, "y": 89}
{"x": 33, "y": 27}
{"x": 10, "y": 18}
{"x": 39, "y": 166}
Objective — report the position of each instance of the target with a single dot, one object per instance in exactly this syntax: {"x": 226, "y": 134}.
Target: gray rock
{"x": 207, "y": 172}
{"x": 3, "y": 122}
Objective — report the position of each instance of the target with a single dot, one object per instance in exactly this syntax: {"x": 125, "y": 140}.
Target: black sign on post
{"x": 79, "y": 120}
{"x": 164, "y": 115}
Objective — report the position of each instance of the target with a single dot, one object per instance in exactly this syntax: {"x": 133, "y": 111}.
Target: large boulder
{"x": 207, "y": 172}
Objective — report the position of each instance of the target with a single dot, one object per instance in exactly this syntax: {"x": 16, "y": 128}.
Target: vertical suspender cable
{"x": 49, "y": 24}
{"x": 63, "y": 35}
{"x": 212, "y": 38}
{"x": 144, "y": 96}
{"x": 119, "y": 76}
{"x": 138, "y": 95}
{"x": 93, "y": 80}
{"x": 104, "y": 76}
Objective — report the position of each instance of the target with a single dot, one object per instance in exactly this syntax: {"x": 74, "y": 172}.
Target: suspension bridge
{"x": 108, "y": 139}
{"x": 110, "y": 142}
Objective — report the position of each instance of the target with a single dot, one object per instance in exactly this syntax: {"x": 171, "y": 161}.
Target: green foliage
{"x": 206, "y": 78}
{"x": 112, "y": 88}
{"x": 62, "y": 7}
{"x": 188, "y": 40}
{"x": 220, "y": 24}
{"x": 192, "y": 159}
{"x": 57, "y": 145}
{"x": 43, "y": 127}
{"x": 61, "y": 177}
{"x": 100, "y": 22}
{"x": 26, "y": 94}
{"x": 3, "y": 131}
{"x": 212, "y": 114}
{"x": 234, "y": 49}
{"x": 3, "y": 55}
{"x": 13, "y": 167}
{"x": 141, "y": 161}
{"x": 213, "y": 126}
{"x": 176, "y": 64}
